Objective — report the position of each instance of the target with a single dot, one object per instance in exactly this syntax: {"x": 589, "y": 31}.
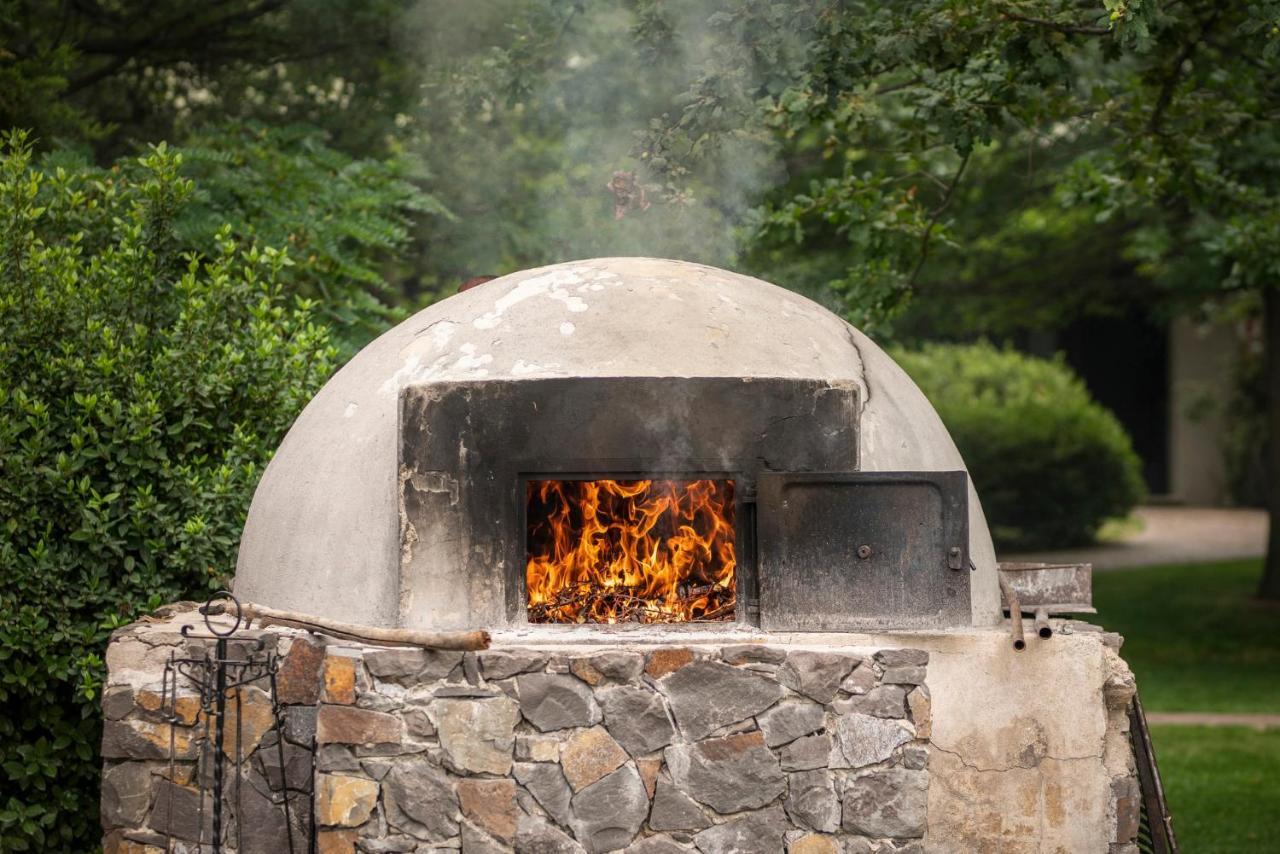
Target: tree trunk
{"x": 1270, "y": 586}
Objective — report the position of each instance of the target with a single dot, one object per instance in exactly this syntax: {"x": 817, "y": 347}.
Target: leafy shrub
{"x": 142, "y": 391}
{"x": 1049, "y": 463}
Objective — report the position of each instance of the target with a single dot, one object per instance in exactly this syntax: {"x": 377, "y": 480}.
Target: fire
{"x": 649, "y": 551}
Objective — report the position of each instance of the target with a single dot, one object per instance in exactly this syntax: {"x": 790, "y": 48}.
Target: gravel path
{"x": 1172, "y": 535}
{"x": 1258, "y": 722}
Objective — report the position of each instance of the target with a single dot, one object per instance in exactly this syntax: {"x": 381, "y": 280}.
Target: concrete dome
{"x": 323, "y": 532}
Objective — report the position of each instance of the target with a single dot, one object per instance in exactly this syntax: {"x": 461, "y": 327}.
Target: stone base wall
{"x": 646, "y": 748}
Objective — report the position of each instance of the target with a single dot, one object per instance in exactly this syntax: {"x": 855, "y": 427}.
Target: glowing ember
{"x": 649, "y": 551}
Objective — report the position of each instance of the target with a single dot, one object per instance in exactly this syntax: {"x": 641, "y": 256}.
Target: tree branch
{"x": 1074, "y": 29}
{"x": 1174, "y": 76}
{"x": 934, "y": 215}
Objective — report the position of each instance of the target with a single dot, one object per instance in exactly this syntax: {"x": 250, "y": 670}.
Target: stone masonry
{"x": 714, "y": 748}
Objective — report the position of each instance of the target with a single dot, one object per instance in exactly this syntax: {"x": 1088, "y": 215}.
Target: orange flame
{"x": 649, "y": 551}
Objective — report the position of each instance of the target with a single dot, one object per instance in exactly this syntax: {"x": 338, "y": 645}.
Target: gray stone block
{"x": 657, "y": 845}
{"x": 915, "y": 757}
{"x": 816, "y": 674}
{"x": 551, "y": 701}
{"x": 117, "y": 702}
{"x": 706, "y": 695}
{"x": 753, "y": 653}
{"x": 807, "y": 753}
{"x": 892, "y": 802}
{"x": 387, "y": 845}
{"x": 300, "y": 725}
{"x": 812, "y": 802}
{"x": 619, "y": 668}
{"x": 126, "y": 794}
{"x": 396, "y": 665}
{"x": 637, "y": 718}
{"x": 903, "y": 676}
{"x": 608, "y": 813}
{"x": 546, "y": 782}
{"x": 476, "y": 841}
{"x": 419, "y": 799}
{"x": 860, "y": 681}
{"x": 176, "y": 811}
{"x": 502, "y": 664}
{"x": 902, "y": 658}
{"x": 886, "y": 701}
{"x": 674, "y": 810}
{"x": 535, "y": 835}
{"x": 865, "y": 740}
{"x": 728, "y": 774}
{"x": 759, "y": 832}
{"x": 787, "y": 721}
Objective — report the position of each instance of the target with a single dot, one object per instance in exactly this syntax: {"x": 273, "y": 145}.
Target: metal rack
{"x": 218, "y": 677}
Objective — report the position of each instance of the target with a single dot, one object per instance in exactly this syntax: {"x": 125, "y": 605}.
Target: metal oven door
{"x": 863, "y": 551}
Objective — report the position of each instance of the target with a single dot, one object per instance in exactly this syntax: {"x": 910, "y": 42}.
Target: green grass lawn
{"x": 1223, "y": 787}
{"x": 1194, "y": 636}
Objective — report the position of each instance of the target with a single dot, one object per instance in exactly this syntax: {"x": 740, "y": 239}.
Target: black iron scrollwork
{"x": 217, "y": 677}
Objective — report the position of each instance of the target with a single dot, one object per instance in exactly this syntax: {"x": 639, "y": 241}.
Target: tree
{"x": 1159, "y": 120}
{"x": 121, "y": 74}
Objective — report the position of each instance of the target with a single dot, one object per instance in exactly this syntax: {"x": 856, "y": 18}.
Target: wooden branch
{"x": 467, "y": 640}
{"x": 629, "y": 607}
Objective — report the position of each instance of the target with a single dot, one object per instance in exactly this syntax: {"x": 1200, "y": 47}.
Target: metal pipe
{"x": 1043, "y": 629}
{"x": 1015, "y": 614}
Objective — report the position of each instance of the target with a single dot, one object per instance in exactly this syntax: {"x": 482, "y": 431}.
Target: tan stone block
{"x": 186, "y": 707}
{"x": 814, "y": 843}
{"x": 582, "y": 668}
{"x": 491, "y": 806}
{"x": 343, "y": 801}
{"x": 349, "y": 725}
{"x": 538, "y": 748}
{"x": 649, "y": 769}
{"x": 253, "y": 714}
{"x": 115, "y": 843}
{"x": 664, "y": 661}
{"x": 339, "y": 679}
{"x": 336, "y": 842}
{"x": 589, "y": 755}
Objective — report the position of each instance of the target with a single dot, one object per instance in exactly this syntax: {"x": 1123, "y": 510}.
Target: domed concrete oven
{"x": 617, "y": 368}
{"x": 741, "y": 595}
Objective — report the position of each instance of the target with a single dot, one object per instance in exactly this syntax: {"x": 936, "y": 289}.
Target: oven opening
{"x": 638, "y": 551}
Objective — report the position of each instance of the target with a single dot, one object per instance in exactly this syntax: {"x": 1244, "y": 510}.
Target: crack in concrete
{"x": 1003, "y": 768}
{"x": 862, "y": 364}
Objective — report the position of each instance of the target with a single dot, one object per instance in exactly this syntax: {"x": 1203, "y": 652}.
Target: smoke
{"x": 545, "y": 127}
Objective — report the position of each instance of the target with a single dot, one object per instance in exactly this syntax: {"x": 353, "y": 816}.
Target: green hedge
{"x": 142, "y": 391}
{"x": 1050, "y": 464}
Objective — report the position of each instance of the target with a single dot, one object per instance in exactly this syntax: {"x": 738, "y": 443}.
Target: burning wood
{"x": 607, "y": 551}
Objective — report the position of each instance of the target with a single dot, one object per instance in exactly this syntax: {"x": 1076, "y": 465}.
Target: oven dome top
{"x": 323, "y": 533}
